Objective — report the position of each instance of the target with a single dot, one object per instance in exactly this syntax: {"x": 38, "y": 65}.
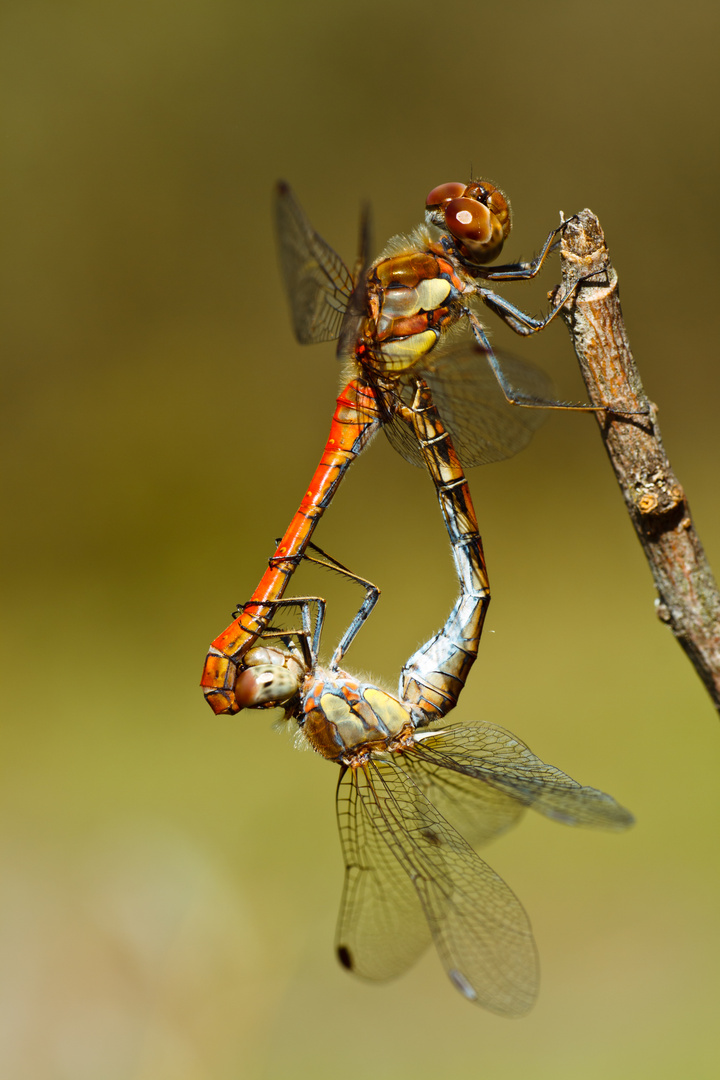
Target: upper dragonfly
{"x": 391, "y": 318}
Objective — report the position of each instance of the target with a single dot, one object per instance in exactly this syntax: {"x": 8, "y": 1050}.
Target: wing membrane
{"x": 381, "y": 929}
{"x": 317, "y": 282}
{"x": 496, "y": 757}
{"x": 357, "y": 301}
{"x": 484, "y": 426}
{"x": 401, "y": 845}
{"x": 479, "y": 812}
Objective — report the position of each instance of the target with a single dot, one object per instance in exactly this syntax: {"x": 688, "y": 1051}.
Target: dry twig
{"x": 688, "y": 598}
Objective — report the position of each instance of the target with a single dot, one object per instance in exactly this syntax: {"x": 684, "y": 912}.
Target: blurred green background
{"x": 169, "y": 879}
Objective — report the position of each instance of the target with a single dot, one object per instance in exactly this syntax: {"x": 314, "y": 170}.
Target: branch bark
{"x": 688, "y": 599}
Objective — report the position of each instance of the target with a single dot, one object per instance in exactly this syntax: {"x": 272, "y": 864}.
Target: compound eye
{"x": 499, "y": 205}
{"x": 478, "y": 231}
{"x": 468, "y": 220}
{"x": 264, "y": 684}
{"x": 444, "y": 193}
{"x": 484, "y": 192}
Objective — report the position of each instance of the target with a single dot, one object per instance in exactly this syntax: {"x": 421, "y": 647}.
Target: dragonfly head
{"x": 271, "y": 677}
{"x": 477, "y": 216}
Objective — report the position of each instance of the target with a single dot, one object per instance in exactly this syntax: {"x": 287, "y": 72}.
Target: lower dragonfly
{"x": 410, "y": 876}
{"x": 392, "y": 319}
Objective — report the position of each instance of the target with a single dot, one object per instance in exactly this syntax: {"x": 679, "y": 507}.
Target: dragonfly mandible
{"x": 408, "y": 779}
{"x": 392, "y": 318}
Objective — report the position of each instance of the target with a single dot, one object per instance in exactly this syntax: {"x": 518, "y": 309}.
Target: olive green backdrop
{"x": 170, "y": 879}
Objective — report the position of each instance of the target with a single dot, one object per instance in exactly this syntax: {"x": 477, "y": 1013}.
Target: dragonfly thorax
{"x": 343, "y": 718}
{"x": 412, "y": 300}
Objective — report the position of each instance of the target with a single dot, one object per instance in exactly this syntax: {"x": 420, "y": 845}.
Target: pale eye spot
{"x": 464, "y": 217}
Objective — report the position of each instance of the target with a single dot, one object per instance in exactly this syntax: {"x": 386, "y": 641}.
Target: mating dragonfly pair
{"x": 405, "y": 774}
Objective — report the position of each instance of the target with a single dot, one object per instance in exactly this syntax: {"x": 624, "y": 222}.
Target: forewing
{"x": 381, "y": 929}
{"x": 317, "y": 282}
{"x": 479, "y": 927}
{"x": 357, "y": 301}
{"x": 483, "y": 424}
{"x": 498, "y": 759}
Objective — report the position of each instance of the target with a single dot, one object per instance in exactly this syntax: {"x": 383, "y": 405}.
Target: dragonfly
{"x": 392, "y": 319}
{"x": 416, "y": 795}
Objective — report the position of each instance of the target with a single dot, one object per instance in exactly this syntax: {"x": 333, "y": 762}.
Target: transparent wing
{"x": 484, "y": 426}
{"x": 478, "y": 925}
{"x": 357, "y": 302}
{"x": 317, "y": 282}
{"x": 381, "y": 929}
{"x": 500, "y": 760}
{"x": 480, "y": 813}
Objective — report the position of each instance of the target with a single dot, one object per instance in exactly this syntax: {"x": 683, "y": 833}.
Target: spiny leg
{"x": 513, "y": 395}
{"x": 372, "y": 595}
{"x": 309, "y": 635}
{"x": 517, "y": 271}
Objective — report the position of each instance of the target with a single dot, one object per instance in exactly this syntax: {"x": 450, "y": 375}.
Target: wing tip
{"x": 461, "y": 983}
{"x": 512, "y": 1006}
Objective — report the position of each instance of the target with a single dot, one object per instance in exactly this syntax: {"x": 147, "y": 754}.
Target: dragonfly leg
{"x": 512, "y": 393}
{"x": 433, "y": 677}
{"x": 311, "y": 639}
{"x": 524, "y": 271}
{"x": 372, "y": 595}
{"x": 517, "y": 319}
{"x": 309, "y": 636}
